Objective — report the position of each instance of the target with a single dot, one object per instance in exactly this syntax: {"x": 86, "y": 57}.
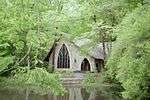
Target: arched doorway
{"x": 63, "y": 58}
{"x": 85, "y": 66}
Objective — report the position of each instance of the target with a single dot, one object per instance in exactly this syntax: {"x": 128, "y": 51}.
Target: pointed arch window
{"x": 63, "y": 58}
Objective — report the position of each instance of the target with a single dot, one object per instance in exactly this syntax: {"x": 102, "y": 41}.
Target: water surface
{"x": 74, "y": 93}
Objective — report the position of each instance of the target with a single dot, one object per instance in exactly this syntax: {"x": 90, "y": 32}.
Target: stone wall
{"x": 75, "y": 55}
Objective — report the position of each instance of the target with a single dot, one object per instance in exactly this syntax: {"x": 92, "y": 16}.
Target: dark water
{"x": 74, "y": 93}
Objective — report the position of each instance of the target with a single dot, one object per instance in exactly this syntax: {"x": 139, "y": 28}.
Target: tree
{"x": 129, "y": 61}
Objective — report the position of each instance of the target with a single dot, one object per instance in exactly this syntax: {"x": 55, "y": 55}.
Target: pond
{"x": 74, "y": 93}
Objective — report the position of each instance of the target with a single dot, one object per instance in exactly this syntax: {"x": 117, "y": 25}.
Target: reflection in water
{"x": 74, "y": 93}
{"x": 85, "y": 95}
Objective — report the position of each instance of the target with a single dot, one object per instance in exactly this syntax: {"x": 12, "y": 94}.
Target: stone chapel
{"x": 67, "y": 55}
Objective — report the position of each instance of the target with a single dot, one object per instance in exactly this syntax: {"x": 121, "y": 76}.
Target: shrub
{"x": 37, "y": 80}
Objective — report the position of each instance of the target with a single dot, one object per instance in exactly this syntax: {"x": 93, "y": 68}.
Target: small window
{"x": 75, "y": 60}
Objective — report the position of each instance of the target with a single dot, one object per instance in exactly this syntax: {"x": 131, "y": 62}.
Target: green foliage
{"x": 129, "y": 62}
{"x": 24, "y": 31}
{"x": 5, "y": 61}
{"x": 101, "y": 83}
{"x": 90, "y": 79}
{"x": 37, "y": 80}
{"x": 64, "y": 73}
{"x": 28, "y": 29}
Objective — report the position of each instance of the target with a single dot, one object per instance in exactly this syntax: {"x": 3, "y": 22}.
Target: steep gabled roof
{"x": 51, "y": 50}
{"x": 98, "y": 52}
{"x": 95, "y": 51}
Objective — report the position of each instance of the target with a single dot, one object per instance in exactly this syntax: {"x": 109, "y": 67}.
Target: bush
{"x": 89, "y": 79}
{"x": 37, "y": 80}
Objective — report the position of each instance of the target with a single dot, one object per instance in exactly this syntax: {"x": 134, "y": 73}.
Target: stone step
{"x": 72, "y": 80}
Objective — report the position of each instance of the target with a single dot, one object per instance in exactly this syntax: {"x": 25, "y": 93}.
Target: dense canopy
{"x": 28, "y": 29}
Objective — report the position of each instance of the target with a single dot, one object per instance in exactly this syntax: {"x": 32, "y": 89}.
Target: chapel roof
{"x": 93, "y": 50}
